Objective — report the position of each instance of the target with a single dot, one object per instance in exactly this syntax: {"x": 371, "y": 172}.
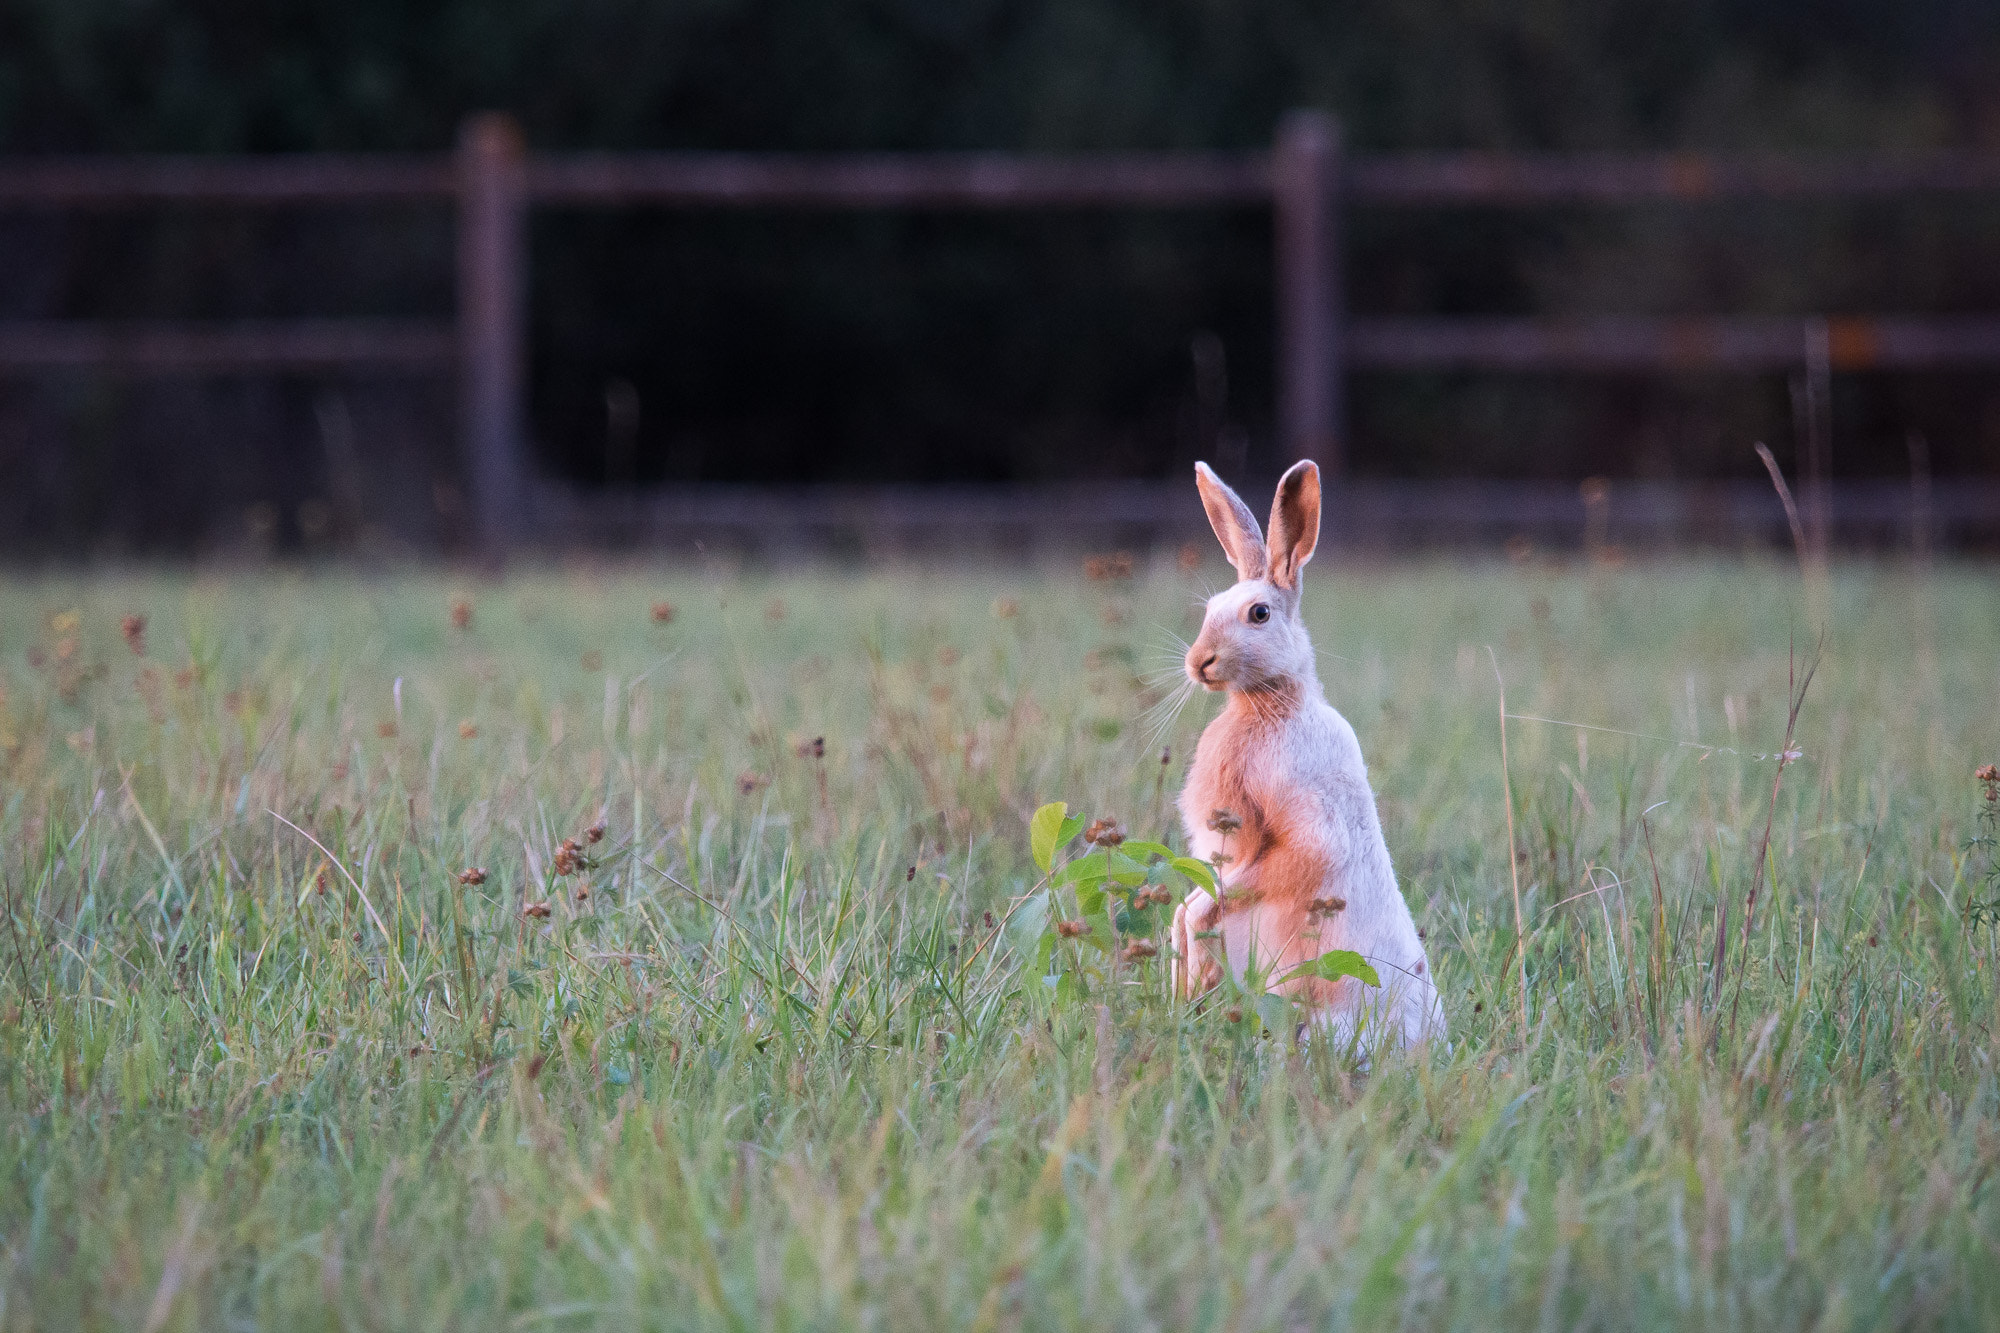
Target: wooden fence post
{"x": 492, "y": 208}
{"x": 1305, "y": 201}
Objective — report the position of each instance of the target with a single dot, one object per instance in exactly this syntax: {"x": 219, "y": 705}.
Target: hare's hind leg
{"x": 1195, "y": 969}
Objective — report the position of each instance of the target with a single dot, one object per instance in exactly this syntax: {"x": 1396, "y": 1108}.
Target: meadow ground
{"x": 764, "y": 1063}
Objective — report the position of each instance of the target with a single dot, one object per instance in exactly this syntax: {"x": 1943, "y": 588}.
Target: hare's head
{"x": 1252, "y": 637}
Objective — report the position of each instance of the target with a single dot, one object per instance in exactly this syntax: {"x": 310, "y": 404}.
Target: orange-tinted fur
{"x": 1271, "y": 865}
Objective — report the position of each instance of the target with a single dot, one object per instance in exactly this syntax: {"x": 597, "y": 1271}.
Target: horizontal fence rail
{"x": 238, "y": 182}
{"x": 1305, "y": 179}
{"x": 1434, "y": 179}
{"x": 1626, "y": 345}
{"x": 246, "y": 347}
{"x": 970, "y": 180}
{"x": 915, "y": 180}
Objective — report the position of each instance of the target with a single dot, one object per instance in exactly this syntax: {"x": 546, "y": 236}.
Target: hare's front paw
{"x": 1195, "y": 967}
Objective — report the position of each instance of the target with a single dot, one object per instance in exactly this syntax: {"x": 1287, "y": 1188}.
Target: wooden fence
{"x": 1306, "y": 180}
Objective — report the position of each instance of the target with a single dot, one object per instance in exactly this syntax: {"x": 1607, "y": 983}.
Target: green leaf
{"x": 1090, "y": 899}
{"x": 1139, "y": 847}
{"x": 1044, "y": 833}
{"x": 1085, "y": 869}
{"x": 1277, "y": 1013}
{"x": 1102, "y": 866}
{"x": 1199, "y": 871}
{"x": 1124, "y": 869}
{"x": 1029, "y": 922}
{"x": 1070, "y": 828}
{"x": 1335, "y": 964}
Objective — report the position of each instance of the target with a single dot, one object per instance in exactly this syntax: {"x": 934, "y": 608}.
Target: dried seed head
{"x": 663, "y": 612}
{"x": 1070, "y": 930}
{"x": 568, "y": 858}
{"x": 133, "y": 627}
{"x": 1327, "y": 904}
{"x": 1233, "y": 1014}
{"x": 1140, "y": 949}
{"x": 812, "y": 749}
{"x": 583, "y": 892}
{"x": 1104, "y": 833}
{"x": 595, "y": 833}
{"x": 472, "y": 878}
{"x": 467, "y": 730}
{"x": 539, "y": 911}
{"x": 1224, "y": 821}
{"x": 1189, "y": 558}
{"x": 461, "y": 614}
{"x": 1006, "y": 608}
{"x": 319, "y": 883}
{"x": 386, "y": 730}
{"x": 750, "y": 783}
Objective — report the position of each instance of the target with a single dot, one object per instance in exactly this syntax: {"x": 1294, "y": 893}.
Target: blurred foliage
{"x": 813, "y": 346}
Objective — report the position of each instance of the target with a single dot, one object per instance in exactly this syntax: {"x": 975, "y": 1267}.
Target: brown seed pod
{"x": 472, "y": 878}
{"x": 1070, "y": 930}
{"x": 539, "y": 911}
{"x": 1104, "y": 833}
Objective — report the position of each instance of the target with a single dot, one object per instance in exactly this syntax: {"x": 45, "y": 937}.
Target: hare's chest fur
{"x": 1292, "y": 778}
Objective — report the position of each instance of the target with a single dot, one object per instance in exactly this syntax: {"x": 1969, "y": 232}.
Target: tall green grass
{"x": 776, "y": 1070}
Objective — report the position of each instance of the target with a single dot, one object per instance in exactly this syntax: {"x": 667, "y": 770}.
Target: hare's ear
{"x": 1294, "y": 523}
{"x": 1235, "y": 526}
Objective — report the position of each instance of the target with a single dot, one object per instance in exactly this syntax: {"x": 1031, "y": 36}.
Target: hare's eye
{"x": 1259, "y": 613}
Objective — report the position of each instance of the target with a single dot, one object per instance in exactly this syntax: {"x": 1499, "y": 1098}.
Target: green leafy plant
{"x": 1985, "y": 911}
{"x": 1120, "y": 898}
{"x": 1112, "y": 902}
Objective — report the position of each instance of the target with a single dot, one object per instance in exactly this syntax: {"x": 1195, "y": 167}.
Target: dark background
{"x": 1037, "y": 346}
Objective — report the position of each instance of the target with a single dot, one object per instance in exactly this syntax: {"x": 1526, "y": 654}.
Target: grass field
{"x": 267, "y": 1062}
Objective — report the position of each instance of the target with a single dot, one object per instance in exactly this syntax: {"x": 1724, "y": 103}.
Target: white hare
{"x": 1278, "y": 799}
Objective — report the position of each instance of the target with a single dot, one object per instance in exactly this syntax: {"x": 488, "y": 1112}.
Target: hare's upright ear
{"x": 1235, "y": 526}
{"x": 1294, "y": 523}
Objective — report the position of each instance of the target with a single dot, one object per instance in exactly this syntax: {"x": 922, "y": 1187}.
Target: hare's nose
{"x": 1206, "y": 663}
